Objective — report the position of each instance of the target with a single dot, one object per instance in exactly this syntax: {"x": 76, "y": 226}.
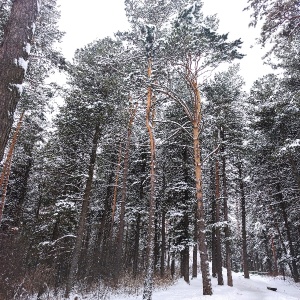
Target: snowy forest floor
{"x": 254, "y": 288}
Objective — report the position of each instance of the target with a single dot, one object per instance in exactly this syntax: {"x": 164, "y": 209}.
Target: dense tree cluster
{"x": 154, "y": 157}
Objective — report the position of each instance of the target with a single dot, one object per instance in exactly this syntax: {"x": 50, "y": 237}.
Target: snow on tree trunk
{"x": 14, "y": 55}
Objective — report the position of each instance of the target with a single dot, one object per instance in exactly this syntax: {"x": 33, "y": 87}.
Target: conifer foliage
{"x": 155, "y": 159}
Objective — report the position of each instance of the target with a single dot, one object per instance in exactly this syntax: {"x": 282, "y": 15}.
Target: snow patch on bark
{"x": 22, "y": 63}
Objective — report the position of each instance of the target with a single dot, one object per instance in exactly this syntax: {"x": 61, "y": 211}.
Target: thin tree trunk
{"x": 225, "y": 199}
{"x": 14, "y": 55}
{"x": 195, "y": 251}
{"x": 288, "y": 232}
{"x": 218, "y": 231}
{"x": 163, "y": 243}
{"x": 148, "y": 284}
{"x": 294, "y": 169}
{"x": 136, "y": 246}
{"x": 274, "y": 257}
{"x": 83, "y": 215}
{"x": 244, "y": 234}
{"x": 120, "y": 235}
{"x": 115, "y": 196}
{"x": 7, "y": 166}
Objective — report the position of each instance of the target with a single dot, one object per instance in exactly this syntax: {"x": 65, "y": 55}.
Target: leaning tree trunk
{"x": 244, "y": 233}
{"x": 84, "y": 212}
{"x": 14, "y": 54}
{"x": 148, "y": 284}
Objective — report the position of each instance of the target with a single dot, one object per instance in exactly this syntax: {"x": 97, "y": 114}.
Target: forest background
{"x": 156, "y": 154}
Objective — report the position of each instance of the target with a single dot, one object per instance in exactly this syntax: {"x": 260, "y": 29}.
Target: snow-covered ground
{"x": 254, "y": 288}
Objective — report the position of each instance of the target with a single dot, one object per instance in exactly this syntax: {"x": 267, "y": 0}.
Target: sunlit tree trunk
{"x": 14, "y": 55}
{"x": 7, "y": 166}
{"x": 207, "y": 290}
{"x": 148, "y": 284}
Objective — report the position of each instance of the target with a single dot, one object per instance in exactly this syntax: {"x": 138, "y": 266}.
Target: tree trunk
{"x": 14, "y": 55}
{"x": 120, "y": 235}
{"x": 207, "y": 290}
{"x": 244, "y": 234}
{"x": 136, "y": 246}
{"x": 83, "y": 215}
{"x": 217, "y": 225}
{"x": 7, "y": 166}
{"x": 288, "y": 233}
{"x": 115, "y": 196}
{"x": 225, "y": 199}
{"x": 148, "y": 283}
{"x": 163, "y": 243}
{"x": 195, "y": 260}
{"x": 294, "y": 169}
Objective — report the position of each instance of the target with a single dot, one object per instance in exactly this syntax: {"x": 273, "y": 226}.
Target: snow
{"x": 22, "y": 63}
{"x": 254, "y": 288}
{"x": 19, "y": 88}
{"x": 27, "y": 48}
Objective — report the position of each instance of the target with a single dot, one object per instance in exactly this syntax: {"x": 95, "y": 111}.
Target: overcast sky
{"x": 85, "y": 21}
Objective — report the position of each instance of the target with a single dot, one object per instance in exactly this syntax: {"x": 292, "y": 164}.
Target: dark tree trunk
{"x": 288, "y": 232}
{"x": 185, "y": 255}
{"x": 217, "y": 225}
{"x": 163, "y": 242}
{"x": 83, "y": 215}
{"x": 225, "y": 199}
{"x": 136, "y": 246}
{"x": 14, "y": 56}
{"x": 120, "y": 235}
{"x": 244, "y": 233}
{"x": 195, "y": 250}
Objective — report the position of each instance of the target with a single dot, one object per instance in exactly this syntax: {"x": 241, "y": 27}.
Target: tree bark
{"x": 84, "y": 212}
{"x": 195, "y": 251}
{"x": 244, "y": 233}
{"x": 207, "y": 290}
{"x": 225, "y": 200}
{"x": 148, "y": 283}
{"x": 120, "y": 235}
{"x": 217, "y": 225}
{"x": 7, "y": 166}
{"x": 288, "y": 233}
{"x": 14, "y": 55}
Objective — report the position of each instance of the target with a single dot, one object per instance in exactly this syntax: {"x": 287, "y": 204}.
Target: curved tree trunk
{"x": 14, "y": 54}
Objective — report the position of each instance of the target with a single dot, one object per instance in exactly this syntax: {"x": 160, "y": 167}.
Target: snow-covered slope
{"x": 254, "y": 288}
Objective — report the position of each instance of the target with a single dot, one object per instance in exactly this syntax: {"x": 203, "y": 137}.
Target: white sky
{"x": 85, "y": 21}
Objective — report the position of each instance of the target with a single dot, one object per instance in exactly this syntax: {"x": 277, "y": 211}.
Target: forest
{"x": 158, "y": 164}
